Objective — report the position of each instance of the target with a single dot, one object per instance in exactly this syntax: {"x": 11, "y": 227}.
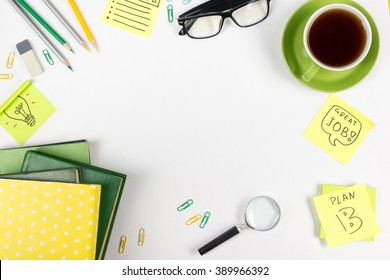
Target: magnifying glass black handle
{"x": 219, "y": 240}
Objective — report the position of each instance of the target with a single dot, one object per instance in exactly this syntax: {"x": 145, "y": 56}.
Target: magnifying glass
{"x": 262, "y": 213}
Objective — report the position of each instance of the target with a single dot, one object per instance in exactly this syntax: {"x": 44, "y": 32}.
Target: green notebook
{"x": 11, "y": 160}
{"x": 65, "y": 175}
{"x": 111, "y": 182}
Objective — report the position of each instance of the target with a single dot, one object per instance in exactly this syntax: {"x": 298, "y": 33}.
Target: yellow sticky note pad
{"x": 346, "y": 215}
{"x": 338, "y": 129}
{"x": 332, "y": 188}
{"x": 135, "y": 16}
{"x": 24, "y": 112}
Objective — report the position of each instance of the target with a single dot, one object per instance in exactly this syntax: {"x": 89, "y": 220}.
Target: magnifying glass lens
{"x": 262, "y": 213}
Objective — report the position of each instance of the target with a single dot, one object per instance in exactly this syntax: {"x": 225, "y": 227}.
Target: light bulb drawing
{"x": 21, "y": 112}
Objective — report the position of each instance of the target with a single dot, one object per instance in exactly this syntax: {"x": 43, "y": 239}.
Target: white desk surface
{"x": 218, "y": 120}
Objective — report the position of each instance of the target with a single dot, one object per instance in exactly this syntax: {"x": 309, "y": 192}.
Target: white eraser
{"x": 30, "y": 60}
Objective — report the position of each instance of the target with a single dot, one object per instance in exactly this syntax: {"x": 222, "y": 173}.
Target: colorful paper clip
{"x": 170, "y": 13}
{"x": 185, "y": 205}
{"x": 205, "y": 219}
{"x": 10, "y": 60}
{"x": 193, "y": 219}
{"x": 141, "y": 237}
{"x": 47, "y": 55}
{"x": 185, "y": 2}
{"x": 122, "y": 244}
{"x": 6, "y": 76}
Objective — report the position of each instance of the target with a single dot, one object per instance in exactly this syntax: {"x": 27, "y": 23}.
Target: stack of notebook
{"x": 54, "y": 204}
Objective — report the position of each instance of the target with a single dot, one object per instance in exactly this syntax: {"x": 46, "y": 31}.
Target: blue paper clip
{"x": 185, "y": 2}
{"x": 185, "y": 205}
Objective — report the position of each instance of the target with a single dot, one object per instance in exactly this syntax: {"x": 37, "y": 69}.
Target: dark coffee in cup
{"x": 337, "y": 37}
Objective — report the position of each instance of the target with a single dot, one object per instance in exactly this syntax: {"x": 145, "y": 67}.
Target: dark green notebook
{"x": 111, "y": 182}
{"x": 11, "y": 160}
{"x": 66, "y": 175}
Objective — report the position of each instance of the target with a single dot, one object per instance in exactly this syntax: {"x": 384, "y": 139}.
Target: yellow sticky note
{"x": 332, "y": 188}
{"x": 346, "y": 215}
{"x": 338, "y": 129}
{"x": 24, "y": 112}
{"x": 135, "y": 16}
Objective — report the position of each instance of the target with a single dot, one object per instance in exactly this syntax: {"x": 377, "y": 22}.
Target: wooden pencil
{"x": 41, "y": 35}
{"x": 83, "y": 24}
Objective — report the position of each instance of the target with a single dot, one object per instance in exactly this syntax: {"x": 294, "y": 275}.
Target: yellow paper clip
{"x": 193, "y": 219}
{"x": 10, "y": 60}
{"x": 122, "y": 244}
{"x": 185, "y": 205}
{"x": 47, "y": 55}
{"x": 141, "y": 237}
{"x": 205, "y": 219}
{"x": 6, "y": 76}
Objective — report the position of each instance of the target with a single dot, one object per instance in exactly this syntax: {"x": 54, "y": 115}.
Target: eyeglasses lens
{"x": 203, "y": 27}
{"x": 208, "y": 26}
{"x": 251, "y": 14}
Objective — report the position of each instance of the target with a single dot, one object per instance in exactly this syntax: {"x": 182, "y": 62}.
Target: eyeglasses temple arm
{"x": 211, "y": 5}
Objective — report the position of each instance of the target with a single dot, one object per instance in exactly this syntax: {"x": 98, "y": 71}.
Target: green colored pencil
{"x": 33, "y": 13}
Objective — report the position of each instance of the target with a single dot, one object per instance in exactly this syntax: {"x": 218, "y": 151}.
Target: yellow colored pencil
{"x": 83, "y": 24}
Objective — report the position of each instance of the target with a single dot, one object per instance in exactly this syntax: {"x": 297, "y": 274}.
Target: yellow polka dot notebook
{"x": 48, "y": 220}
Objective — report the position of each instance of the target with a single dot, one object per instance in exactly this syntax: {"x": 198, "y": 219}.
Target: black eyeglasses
{"x": 206, "y": 20}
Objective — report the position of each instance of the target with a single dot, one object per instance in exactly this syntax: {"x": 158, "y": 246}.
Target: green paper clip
{"x": 47, "y": 55}
{"x": 170, "y": 13}
{"x": 185, "y": 205}
{"x": 205, "y": 219}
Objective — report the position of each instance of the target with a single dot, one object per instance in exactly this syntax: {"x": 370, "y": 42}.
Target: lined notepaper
{"x": 135, "y": 16}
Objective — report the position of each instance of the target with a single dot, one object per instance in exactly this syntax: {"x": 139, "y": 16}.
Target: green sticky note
{"x": 332, "y": 188}
{"x": 24, "y": 112}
